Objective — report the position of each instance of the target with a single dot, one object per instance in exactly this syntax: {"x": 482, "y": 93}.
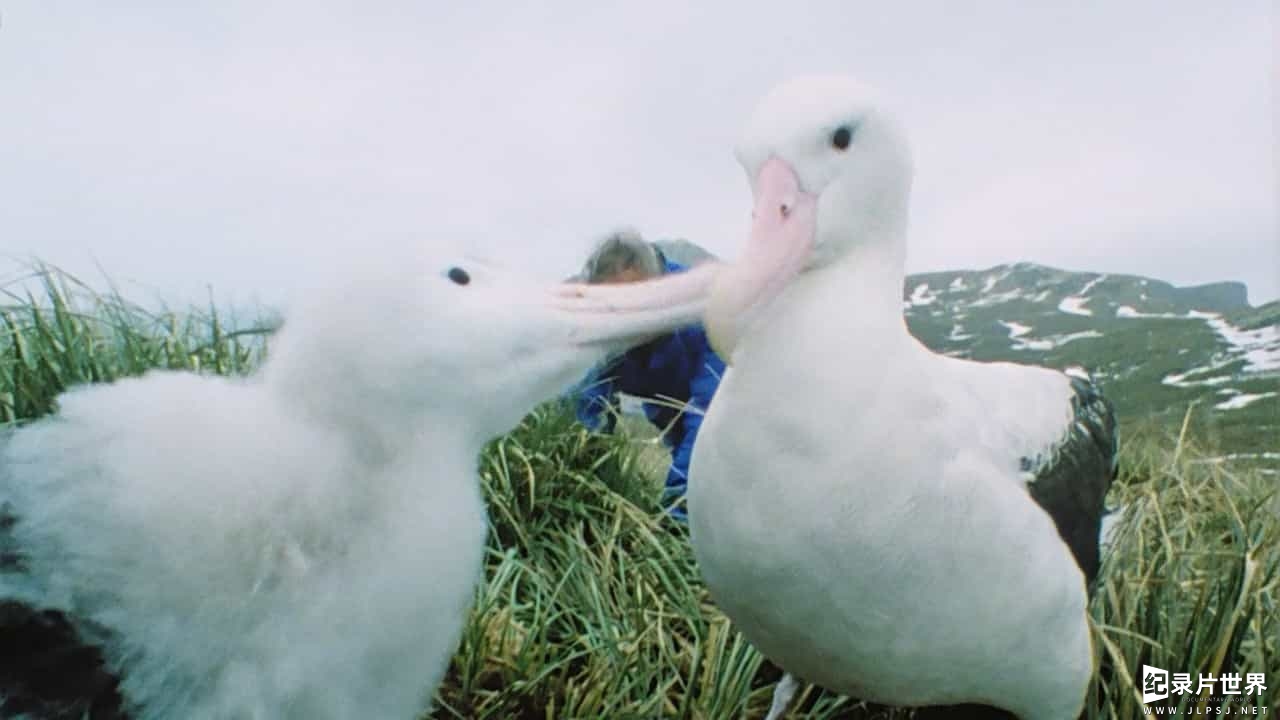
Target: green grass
{"x": 593, "y": 607}
{"x": 55, "y": 333}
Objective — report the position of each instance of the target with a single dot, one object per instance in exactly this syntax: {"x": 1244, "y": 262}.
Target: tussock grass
{"x": 593, "y": 607}
{"x": 1192, "y": 583}
{"x": 55, "y": 333}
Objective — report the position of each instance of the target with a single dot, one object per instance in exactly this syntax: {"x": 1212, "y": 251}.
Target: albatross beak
{"x": 628, "y": 313}
{"x": 783, "y": 227}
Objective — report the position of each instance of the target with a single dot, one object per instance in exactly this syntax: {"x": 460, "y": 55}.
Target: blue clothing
{"x": 672, "y": 370}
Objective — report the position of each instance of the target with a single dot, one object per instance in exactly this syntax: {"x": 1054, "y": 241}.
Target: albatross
{"x": 900, "y": 526}
{"x": 302, "y": 543}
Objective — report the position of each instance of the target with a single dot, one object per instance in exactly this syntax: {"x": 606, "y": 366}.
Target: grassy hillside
{"x": 593, "y": 607}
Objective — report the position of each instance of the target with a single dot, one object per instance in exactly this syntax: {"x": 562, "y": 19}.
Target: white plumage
{"x": 303, "y": 543}
{"x": 859, "y": 506}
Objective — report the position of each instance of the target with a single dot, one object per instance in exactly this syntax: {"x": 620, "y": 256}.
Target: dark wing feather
{"x": 1072, "y": 484}
{"x": 47, "y": 672}
{"x": 47, "y": 669}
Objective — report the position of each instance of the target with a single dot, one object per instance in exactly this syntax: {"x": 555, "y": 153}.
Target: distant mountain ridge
{"x": 1158, "y": 349}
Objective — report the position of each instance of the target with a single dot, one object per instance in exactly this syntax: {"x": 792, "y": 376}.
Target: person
{"x": 674, "y": 375}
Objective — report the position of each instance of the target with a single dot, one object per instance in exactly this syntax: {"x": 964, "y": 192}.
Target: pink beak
{"x": 609, "y": 314}
{"x": 783, "y": 232}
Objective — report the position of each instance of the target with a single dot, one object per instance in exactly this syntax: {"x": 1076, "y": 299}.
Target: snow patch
{"x": 1181, "y": 381}
{"x": 1260, "y": 348}
{"x": 1060, "y": 340}
{"x": 998, "y": 298}
{"x": 1242, "y": 400}
{"x": 921, "y": 296}
{"x": 1127, "y": 311}
{"x": 958, "y": 284}
{"x": 1016, "y": 330}
{"x": 1090, "y": 285}
{"x": 1077, "y": 371}
{"x": 1074, "y": 305}
{"x": 1053, "y": 341}
{"x": 1186, "y": 379}
{"x": 1037, "y": 345}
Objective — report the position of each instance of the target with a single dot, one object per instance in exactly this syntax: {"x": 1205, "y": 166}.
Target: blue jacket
{"x": 674, "y": 369}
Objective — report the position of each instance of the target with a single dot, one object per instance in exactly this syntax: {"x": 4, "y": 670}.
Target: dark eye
{"x": 841, "y": 138}
{"x": 459, "y": 276}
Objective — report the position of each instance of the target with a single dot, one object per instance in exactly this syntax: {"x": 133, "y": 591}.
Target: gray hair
{"x": 621, "y": 251}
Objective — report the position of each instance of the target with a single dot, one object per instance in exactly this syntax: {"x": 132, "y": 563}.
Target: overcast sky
{"x": 247, "y": 145}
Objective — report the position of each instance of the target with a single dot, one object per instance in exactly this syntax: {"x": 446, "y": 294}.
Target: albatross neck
{"x": 374, "y": 427}
{"x": 865, "y": 283}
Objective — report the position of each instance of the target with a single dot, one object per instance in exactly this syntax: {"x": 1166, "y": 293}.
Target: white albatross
{"x": 883, "y": 521}
{"x": 303, "y": 543}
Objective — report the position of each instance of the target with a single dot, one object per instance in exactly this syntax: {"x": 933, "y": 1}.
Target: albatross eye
{"x": 458, "y": 276}
{"x": 841, "y": 138}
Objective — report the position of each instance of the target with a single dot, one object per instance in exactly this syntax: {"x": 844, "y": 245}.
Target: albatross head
{"x": 830, "y": 171}
{"x": 462, "y": 343}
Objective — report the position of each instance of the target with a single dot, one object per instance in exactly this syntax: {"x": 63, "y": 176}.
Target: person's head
{"x": 622, "y": 257}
